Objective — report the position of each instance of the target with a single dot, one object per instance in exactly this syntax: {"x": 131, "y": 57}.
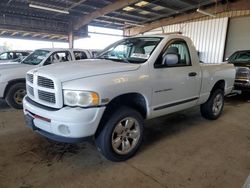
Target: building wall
{"x": 238, "y": 37}
{"x": 208, "y": 37}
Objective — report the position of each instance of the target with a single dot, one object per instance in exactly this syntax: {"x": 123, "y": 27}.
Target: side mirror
{"x": 170, "y": 59}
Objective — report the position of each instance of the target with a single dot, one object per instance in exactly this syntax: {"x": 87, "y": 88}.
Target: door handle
{"x": 192, "y": 74}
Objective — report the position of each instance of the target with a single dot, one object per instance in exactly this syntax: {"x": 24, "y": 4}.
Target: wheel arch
{"x": 136, "y": 101}
{"x": 11, "y": 83}
{"x": 220, "y": 84}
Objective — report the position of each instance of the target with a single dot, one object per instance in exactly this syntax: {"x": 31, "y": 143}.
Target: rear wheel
{"x": 121, "y": 136}
{"x": 15, "y": 95}
{"x": 213, "y": 107}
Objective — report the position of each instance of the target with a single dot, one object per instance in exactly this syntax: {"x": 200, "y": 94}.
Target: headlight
{"x": 80, "y": 98}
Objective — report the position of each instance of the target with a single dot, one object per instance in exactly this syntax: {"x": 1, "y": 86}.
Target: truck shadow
{"x": 238, "y": 99}
{"x": 3, "y": 105}
{"x": 170, "y": 125}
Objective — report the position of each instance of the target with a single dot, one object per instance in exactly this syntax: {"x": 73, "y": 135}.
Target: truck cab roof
{"x": 61, "y": 49}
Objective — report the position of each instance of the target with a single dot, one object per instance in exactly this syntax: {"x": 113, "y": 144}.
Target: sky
{"x": 94, "y": 41}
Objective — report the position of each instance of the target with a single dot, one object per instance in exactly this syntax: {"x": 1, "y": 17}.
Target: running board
{"x": 234, "y": 93}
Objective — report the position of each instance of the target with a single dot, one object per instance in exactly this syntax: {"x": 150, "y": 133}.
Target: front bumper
{"x": 241, "y": 84}
{"x": 66, "y": 124}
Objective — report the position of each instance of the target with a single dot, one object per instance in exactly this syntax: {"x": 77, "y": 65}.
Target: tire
{"x": 115, "y": 131}
{"x": 15, "y": 95}
{"x": 214, "y": 106}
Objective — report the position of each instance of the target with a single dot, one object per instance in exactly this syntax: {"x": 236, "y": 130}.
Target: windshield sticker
{"x": 141, "y": 56}
{"x": 40, "y": 57}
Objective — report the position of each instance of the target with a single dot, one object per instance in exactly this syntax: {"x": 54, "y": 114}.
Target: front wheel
{"x": 15, "y": 95}
{"x": 121, "y": 136}
{"x": 213, "y": 107}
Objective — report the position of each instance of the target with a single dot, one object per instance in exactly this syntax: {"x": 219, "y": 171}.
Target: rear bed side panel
{"x": 212, "y": 73}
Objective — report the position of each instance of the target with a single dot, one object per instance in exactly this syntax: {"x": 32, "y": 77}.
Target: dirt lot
{"x": 179, "y": 150}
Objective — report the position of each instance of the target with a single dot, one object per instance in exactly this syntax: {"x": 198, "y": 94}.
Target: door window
{"x": 18, "y": 54}
{"x": 11, "y": 55}
{"x": 58, "y": 57}
{"x": 175, "y": 55}
{"x": 80, "y": 55}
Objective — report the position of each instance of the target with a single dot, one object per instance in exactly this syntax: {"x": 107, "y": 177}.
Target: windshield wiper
{"x": 116, "y": 60}
{"x": 27, "y": 62}
{"x": 125, "y": 60}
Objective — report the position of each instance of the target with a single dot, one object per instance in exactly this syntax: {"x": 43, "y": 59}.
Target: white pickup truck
{"x": 12, "y": 76}
{"x": 132, "y": 80}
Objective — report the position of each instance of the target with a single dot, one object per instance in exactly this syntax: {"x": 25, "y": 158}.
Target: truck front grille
{"x": 44, "y": 90}
{"x": 30, "y": 90}
{"x": 30, "y": 78}
{"x": 45, "y": 82}
{"x": 47, "y": 96}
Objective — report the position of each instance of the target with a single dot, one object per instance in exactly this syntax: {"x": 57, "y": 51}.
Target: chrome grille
{"x": 30, "y": 78}
{"x": 30, "y": 90}
{"x": 42, "y": 90}
{"x": 242, "y": 72}
{"x": 47, "y": 96}
{"x": 45, "y": 82}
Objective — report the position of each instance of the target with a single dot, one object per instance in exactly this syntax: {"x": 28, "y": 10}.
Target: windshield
{"x": 131, "y": 50}
{"x": 240, "y": 57}
{"x": 36, "y": 57}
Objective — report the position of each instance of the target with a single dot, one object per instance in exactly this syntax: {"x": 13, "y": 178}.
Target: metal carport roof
{"x": 19, "y": 19}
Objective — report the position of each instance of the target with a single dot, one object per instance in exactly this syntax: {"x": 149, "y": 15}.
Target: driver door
{"x": 176, "y": 85}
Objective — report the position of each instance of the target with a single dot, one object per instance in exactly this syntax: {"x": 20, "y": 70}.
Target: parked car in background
{"x": 12, "y": 76}
{"x": 241, "y": 60}
{"x": 13, "y": 56}
{"x": 16, "y": 61}
{"x": 109, "y": 98}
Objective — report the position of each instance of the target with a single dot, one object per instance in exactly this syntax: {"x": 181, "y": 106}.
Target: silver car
{"x": 13, "y": 56}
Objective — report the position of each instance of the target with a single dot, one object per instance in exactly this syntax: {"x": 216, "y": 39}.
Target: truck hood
{"x": 81, "y": 69}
